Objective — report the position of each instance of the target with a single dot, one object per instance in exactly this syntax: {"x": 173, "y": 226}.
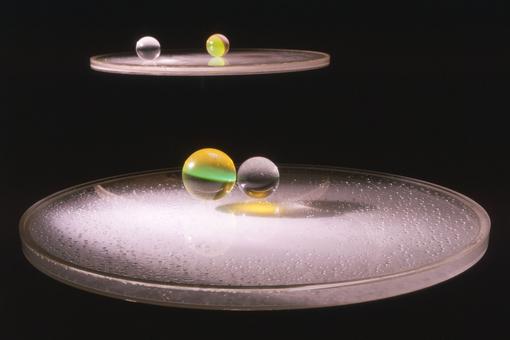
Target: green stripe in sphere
{"x": 209, "y": 174}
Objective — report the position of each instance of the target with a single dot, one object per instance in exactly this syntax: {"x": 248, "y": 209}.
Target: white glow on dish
{"x": 163, "y": 234}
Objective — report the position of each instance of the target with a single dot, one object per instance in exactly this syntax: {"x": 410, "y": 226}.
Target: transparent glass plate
{"x": 197, "y": 63}
{"x": 328, "y": 236}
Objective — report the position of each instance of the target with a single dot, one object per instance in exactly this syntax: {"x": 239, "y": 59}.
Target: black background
{"x": 415, "y": 88}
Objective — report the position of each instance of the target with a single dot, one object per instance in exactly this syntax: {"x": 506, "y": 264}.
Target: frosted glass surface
{"x": 199, "y": 63}
{"x": 325, "y": 237}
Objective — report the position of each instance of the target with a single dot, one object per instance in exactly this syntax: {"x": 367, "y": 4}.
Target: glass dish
{"x": 328, "y": 236}
{"x": 189, "y": 63}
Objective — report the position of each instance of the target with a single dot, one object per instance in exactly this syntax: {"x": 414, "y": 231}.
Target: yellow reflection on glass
{"x": 217, "y": 61}
{"x": 255, "y": 208}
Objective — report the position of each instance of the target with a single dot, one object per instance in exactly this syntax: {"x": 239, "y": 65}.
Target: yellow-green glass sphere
{"x": 209, "y": 174}
{"x": 217, "y": 45}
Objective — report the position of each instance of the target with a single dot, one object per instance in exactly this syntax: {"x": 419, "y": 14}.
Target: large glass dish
{"x": 328, "y": 236}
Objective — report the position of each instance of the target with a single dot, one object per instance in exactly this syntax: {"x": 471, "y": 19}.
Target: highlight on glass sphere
{"x": 209, "y": 174}
{"x": 148, "y": 48}
{"x": 217, "y": 45}
{"x": 258, "y": 177}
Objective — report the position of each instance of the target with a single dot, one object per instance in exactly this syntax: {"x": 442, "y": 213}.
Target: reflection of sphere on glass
{"x": 218, "y": 62}
{"x": 217, "y": 45}
{"x": 258, "y": 177}
{"x": 148, "y": 48}
{"x": 209, "y": 174}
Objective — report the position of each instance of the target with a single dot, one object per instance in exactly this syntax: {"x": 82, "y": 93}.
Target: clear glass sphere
{"x": 148, "y": 48}
{"x": 258, "y": 177}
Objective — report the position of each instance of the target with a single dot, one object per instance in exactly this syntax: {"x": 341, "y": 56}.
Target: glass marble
{"x": 209, "y": 174}
{"x": 258, "y": 177}
{"x": 217, "y": 45}
{"x": 148, "y": 48}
